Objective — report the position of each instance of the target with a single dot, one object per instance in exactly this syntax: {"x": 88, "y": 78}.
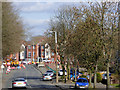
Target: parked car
{"x": 105, "y": 76}
{"x": 19, "y": 83}
{"x": 50, "y": 72}
{"x": 73, "y": 76}
{"x": 47, "y": 77}
{"x": 46, "y": 60}
{"x": 81, "y": 83}
{"x": 60, "y": 73}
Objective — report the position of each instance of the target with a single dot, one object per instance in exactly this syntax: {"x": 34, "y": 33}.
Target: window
{"x": 29, "y": 47}
{"x": 23, "y": 54}
{"x": 46, "y": 53}
{"x": 33, "y": 53}
{"x": 14, "y": 55}
{"x": 33, "y": 46}
{"x": 29, "y": 54}
{"x": 52, "y": 54}
{"x": 42, "y": 47}
{"x": 43, "y": 53}
{"x": 52, "y": 59}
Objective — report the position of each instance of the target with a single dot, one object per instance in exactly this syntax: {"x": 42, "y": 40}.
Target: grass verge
{"x": 115, "y": 85}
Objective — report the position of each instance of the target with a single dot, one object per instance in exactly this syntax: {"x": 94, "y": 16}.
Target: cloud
{"x": 38, "y": 7}
{"x": 35, "y": 22}
{"x": 41, "y": 6}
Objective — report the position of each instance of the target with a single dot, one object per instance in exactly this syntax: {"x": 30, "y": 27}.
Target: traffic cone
{"x": 24, "y": 67}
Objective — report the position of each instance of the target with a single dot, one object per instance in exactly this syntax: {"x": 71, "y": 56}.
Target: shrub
{"x": 99, "y": 77}
{"x": 84, "y": 76}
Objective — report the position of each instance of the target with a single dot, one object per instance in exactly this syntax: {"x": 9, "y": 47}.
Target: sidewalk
{"x": 61, "y": 84}
{"x": 52, "y": 65}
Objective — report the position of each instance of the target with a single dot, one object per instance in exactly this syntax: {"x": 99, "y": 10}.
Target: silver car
{"x": 47, "y": 77}
{"x": 50, "y": 72}
{"x": 19, "y": 83}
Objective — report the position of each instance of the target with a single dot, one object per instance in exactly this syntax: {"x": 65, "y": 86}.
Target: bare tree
{"x": 12, "y": 29}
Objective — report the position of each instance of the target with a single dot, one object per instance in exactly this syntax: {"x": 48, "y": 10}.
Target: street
{"x": 33, "y": 76}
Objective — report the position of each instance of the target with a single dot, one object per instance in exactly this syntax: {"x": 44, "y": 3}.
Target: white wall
{"x": 47, "y": 50}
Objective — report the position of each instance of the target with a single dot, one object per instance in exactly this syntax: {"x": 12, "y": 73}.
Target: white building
{"x": 47, "y": 52}
{"x": 22, "y": 52}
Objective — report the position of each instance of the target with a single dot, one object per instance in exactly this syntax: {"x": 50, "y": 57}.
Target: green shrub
{"x": 84, "y": 76}
{"x": 99, "y": 77}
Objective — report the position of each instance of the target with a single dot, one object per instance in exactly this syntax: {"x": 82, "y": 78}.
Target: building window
{"x": 14, "y": 55}
{"x": 52, "y": 54}
{"x": 42, "y": 47}
{"x": 33, "y": 53}
{"x": 29, "y": 59}
{"x": 43, "y": 53}
{"x": 33, "y": 46}
{"x": 46, "y": 53}
{"x": 29, "y": 47}
{"x": 22, "y": 54}
{"x": 52, "y": 59}
{"x": 29, "y": 54}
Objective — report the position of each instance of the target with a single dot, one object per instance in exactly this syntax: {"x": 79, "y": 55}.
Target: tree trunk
{"x": 90, "y": 79}
{"x": 108, "y": 79}
{"x": 95, "y": 76}
{"x": 69, "y": 72}
{"x": 75, "y": 74}
{"x": 63, "y": 72}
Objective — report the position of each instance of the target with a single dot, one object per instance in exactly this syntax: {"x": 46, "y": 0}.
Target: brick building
{"x": 34, "y": 52}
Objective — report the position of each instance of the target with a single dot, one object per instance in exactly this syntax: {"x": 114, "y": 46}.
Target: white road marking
{"x": 36, "y": 70}
{"x": 29, "y": 85}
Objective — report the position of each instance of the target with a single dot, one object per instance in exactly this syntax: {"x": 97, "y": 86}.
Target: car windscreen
{"x": 62, "y": 70}
{"x": 49, "y": 71}
{"x": 20, "y": 80}
{"x": 106, "y": 74}
{"x": 82, "y": 80}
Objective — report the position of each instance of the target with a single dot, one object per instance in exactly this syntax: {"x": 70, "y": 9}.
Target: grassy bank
{"x": 116, "y": 85}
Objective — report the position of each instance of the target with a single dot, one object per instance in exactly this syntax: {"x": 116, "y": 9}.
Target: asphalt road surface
{"x": 33, "y": 76}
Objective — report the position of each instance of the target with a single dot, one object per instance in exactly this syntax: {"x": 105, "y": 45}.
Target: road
{"x": 34, "y": 79}
{"x": 33, "y": 76}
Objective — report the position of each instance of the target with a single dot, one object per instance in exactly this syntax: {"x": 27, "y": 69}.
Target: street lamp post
{"x": 56, "y": 55}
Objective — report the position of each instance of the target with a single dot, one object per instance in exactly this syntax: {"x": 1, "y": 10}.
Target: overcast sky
{"x": 38, "y": 14}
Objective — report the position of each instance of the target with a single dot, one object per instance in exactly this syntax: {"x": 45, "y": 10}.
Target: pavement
{"x": 68, "y": 84}
{"x": 61, "y": 85}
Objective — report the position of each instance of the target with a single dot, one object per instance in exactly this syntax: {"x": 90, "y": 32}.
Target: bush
{"x": 99, "y": 77}
{"x": 84, "y": 76}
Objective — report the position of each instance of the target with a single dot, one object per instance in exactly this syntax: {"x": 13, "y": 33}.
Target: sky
{"x": 37, "y": 15}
